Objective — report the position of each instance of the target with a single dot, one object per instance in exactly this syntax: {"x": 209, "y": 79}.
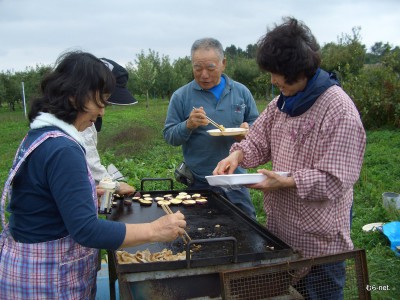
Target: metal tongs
{"x": 220, "y": 127}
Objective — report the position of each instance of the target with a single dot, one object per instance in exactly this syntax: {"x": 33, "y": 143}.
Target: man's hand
{"x": 238, "y": 138}
{"x": 197, "y": 118}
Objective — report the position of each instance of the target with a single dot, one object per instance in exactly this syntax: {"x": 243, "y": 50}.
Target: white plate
{"x": 238, "y": 179}
{"x": 227, "y": 132}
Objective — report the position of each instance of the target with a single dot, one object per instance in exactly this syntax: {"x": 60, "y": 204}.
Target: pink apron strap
{"x": 18, "y": 161}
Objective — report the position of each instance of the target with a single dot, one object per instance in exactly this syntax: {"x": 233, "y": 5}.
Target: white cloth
{"x": 47, "y": 119}
{"x": 89, "y": 136}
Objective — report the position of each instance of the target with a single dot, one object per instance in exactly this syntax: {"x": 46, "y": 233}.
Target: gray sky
{"x": 35, "y": 32}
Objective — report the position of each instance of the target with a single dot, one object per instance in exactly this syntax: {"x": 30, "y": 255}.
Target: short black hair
{"x": 76, "y": 77}
{"x": 290, "y": 49}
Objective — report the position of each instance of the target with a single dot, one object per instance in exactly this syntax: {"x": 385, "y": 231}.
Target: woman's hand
{"x": 229, "y": 164}
{"x": 272, "y": 182}
{"x": 125, "y": 189}
{"x": 99, "y": 191}
{"x": 168, "y": 227}
{"x": 165, "y": 229}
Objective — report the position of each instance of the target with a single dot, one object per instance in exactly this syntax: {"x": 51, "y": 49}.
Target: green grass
{"x": 131, "y": 138}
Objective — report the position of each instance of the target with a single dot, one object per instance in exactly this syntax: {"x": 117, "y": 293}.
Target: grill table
{"x": 237, "y": 242}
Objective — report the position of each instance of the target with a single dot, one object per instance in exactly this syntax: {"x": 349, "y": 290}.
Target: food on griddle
{"x": 163, "y": 202}
{"x": 183, "y": 197}
{"x": 175, "y": 201}
{"x": 189, "y": 202}
{"x": 145, "y": 256}
{"x": 118, "y": 196}
{"x": 201, "y": 201}
{"x": 144, "y": 202}
{"x": 128, "y": 202}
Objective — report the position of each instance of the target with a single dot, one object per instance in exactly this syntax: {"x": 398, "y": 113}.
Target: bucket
{"x": 391, "y": 201}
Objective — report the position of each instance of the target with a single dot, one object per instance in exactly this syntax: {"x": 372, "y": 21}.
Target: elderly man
{"x": 224, "y": 100}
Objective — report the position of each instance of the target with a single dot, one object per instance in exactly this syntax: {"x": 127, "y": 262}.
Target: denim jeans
{"x": 323, "y": 282}
{"x": 239, "y": 196}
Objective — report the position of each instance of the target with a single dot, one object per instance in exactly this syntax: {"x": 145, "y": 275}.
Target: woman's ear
{"x": 72, "y": 101}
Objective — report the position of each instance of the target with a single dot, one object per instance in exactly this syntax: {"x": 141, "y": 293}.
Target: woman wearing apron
{"x": 48, "y": 247}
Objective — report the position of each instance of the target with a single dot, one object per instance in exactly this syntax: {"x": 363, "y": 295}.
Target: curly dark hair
{"x": 77, "y": 78}
{"x": 290, "y": 49}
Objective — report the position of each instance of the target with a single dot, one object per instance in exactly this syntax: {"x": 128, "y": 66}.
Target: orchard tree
{"x": 345, "y": 57}
{"x": 145, "y": 74}
{"x": 183, "y": 72}
{"x": 391, "y": 59}
{"x": 165, "y": 78}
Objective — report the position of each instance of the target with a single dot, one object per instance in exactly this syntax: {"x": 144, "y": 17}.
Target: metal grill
{"x": 287, "y": 280}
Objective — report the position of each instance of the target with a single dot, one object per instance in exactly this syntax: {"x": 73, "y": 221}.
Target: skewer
{"x": 168, "y": 211}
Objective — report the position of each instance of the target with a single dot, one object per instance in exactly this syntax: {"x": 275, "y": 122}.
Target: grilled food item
{"x": 144, "y": 202}
{"x": 163, "y": 202}
{"x": 201, "y": 201}
{"x": 145, "y": 256}
{"x": 128, "y": 202}
{"x": 189, "y": 202}
{"x": 175, "y": 201}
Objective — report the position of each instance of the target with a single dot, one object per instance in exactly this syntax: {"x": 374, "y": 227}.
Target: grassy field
{"x": 131, "y": 138}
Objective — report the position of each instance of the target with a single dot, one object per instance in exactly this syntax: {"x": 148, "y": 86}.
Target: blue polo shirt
{"x": 201, "y": 151}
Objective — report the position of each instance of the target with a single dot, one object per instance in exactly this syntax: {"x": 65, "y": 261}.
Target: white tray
{"x": 227, "y": 132}
{"x": 238, "y": 179}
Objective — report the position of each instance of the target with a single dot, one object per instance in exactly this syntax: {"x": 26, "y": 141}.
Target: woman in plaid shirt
{"x": 312, "y": 130}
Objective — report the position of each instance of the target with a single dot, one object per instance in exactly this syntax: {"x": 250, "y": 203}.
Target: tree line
{"x": 371, "y": 78}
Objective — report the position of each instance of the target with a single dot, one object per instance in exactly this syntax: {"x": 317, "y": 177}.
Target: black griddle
{"x": 225, "y": 233}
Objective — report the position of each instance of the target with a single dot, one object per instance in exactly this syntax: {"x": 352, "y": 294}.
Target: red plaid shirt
{"x": 323, "y": 149}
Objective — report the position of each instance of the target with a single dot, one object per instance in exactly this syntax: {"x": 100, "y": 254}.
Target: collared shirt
{"x": 201, "y": 151}
{"x": 323, "y": 149}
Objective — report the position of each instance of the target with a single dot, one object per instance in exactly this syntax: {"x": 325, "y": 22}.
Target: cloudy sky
{"x": 35, "y": 32}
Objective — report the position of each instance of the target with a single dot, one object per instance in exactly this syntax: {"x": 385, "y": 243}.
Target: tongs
{"x": 220, "y": 127}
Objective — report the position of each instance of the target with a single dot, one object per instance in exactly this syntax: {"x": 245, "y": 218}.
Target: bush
{"x": 376, "y": 93}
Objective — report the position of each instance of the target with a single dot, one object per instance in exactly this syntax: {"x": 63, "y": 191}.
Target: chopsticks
{"x": 168, "y": 211}
{"x": 220, "y": 127}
